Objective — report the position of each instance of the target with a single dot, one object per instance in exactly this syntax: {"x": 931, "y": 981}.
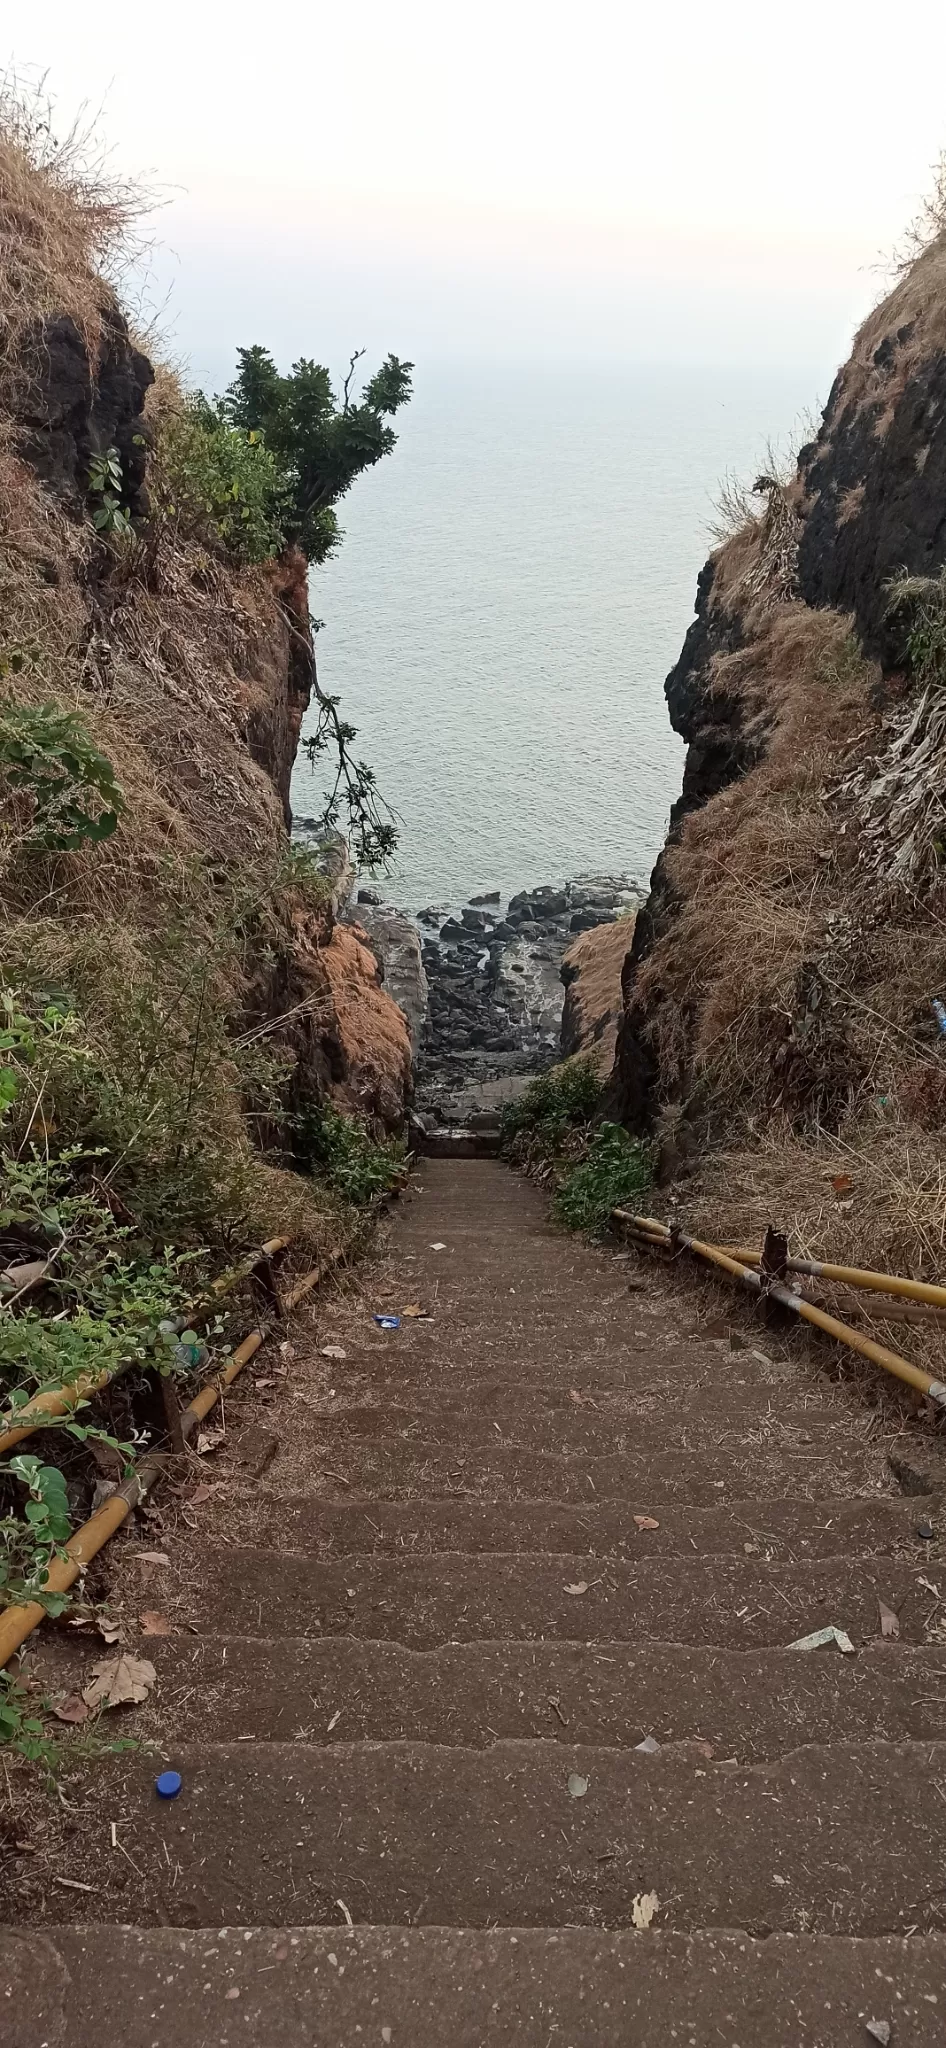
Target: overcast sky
{"x": 515, "y": 180}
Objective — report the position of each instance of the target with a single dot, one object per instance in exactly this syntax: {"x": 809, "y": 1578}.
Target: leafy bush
{"x": 617, "y": 1169}
{"x": 319, "y": 443}
{"x": 916, "y": 614}
{"x": 220, "y": 481}
{"x": 351, "y": 1160}
{"x": 27, "y": 1547}
{"x": 21, "y": 1729}
{"x": 554, "y": 1104}
{"x": 47, "y": 755}
{"x": 105, "y": 485}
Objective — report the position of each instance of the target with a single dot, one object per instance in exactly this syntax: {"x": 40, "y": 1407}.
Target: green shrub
{"x": 615, "y": 1170}
{"x": 23, "y": 1732}
{"x": 321, "y": 443}
{"x": 27, "y": 1547}
{"x": 106, "y": 484}
{"x": 553, "y": 1105}
{"x": 341, "y": 1148}
{"x": 916, "y": 611}
{"x": 21, "y": 1728}
{"x": 221, "y": 481}
{"x": 47, "y": 756}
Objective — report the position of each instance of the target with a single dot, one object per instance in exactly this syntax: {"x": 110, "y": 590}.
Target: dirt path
{"x": 419, "y": 1669}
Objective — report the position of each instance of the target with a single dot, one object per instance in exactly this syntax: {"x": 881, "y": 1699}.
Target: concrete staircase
{"x": 420, "y": 1659}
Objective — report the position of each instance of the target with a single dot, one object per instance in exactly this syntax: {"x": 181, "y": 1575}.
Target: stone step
{"x": 755, "y": 1705}
{"x": 779, "y": 1529}
{"x": 422, "y": 1987}
{"x": 839, "y": 1840}
{"x": 394, "y": 1370}
{"x": 435, "y": 1471}
{"x": 726, "y": 1420}
{"x": 739, "y": 1603}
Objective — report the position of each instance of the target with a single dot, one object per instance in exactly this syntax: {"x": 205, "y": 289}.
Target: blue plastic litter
{"x": 388, "y": 1322}
{"x": 168, "y": 1785}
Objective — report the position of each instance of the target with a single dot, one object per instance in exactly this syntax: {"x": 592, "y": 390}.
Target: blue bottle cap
{"x": 168, "y": 1785}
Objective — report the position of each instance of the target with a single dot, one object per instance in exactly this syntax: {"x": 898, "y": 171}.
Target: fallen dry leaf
{"x": 646, "y": 1522}
{"x": 333, "y": 1351}
{"x": 574, "y": 1395}
{"x": 119, "y": 1681}
{"x": 643, "y": 1908}
{"x": 23, "y": 1276}
{"x": 580, "y": 1587}
{"x": 108, "y": 1629}
{"x": 72, "y": 1709}
{"x": 205, "y": 1492}
{"x": 154, "y": 1624}
{"x": 260, "y": 1385}
{"x": 152, "y": 1557}
{"x": 211, "y": 1440}
{"x": 889, "y": 1621}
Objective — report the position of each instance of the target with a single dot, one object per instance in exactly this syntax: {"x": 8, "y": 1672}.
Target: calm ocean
{"x": 514, "y": 583}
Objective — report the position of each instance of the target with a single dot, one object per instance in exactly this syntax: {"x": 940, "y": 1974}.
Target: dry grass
{"x": 177, "y": 665}
{"x": 65, "y": 228}
{"x": 787, "y": 1007}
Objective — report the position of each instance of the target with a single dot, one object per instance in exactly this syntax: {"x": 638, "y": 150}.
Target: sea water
{"x": 514, "y": 582}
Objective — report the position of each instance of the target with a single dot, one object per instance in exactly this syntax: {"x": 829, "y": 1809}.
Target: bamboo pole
{"x": 855, "y": 1276}
{"x": 879, "y": 1354}
{"x": 199, "y": 1408}
{"x": 16, "y": 1623}
{"x": 57, "y": 1401}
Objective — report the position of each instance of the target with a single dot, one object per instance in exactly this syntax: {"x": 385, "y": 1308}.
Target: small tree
{"x": 320, "y": 443}
{"x": 316, "y": 445}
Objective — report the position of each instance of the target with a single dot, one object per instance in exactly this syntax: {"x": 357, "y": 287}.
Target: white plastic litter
{"x": 821, "y": 1637}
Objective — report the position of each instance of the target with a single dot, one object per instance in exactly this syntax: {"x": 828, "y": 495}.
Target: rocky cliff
{"x": 777, "y": 1022}
{"x": 195, "y": 929}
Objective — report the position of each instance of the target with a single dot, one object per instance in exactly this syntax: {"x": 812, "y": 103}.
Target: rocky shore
{"x": 482, "y": 984}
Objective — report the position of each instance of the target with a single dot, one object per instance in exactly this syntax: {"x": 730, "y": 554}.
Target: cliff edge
{"x": 204, "y": 1005}
{"x": 778, "y": 1040}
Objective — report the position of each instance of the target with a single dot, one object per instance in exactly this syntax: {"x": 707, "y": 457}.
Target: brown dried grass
{"x": 789, "y": 1019}
{"x": 66, "y": 223}
{"x": 176, "y": 665}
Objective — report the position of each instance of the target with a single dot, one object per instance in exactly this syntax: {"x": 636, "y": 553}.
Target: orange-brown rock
{"x": 361, "y": 1030}
{"x": 591, "y": 971}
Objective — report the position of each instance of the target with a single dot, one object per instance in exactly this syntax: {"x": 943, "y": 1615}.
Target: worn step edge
{"x": 873, "y": 1523}
{"x": 435, "y": 1472}
{"x": 396, "y": 1830}
{"x": 747, "y": 1703}
{"x": 717, "y": 1602}
{"x": 427, "y": 1986}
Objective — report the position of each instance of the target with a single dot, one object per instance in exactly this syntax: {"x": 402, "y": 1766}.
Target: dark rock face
{"x": 875, "y": 489}
{"x": 870, "y": 502}
{"x": 75, "y": 410}
{"x": 719, "y": 750}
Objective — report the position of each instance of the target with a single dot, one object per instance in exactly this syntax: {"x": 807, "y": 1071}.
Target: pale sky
{"x": 515, "y": 180}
